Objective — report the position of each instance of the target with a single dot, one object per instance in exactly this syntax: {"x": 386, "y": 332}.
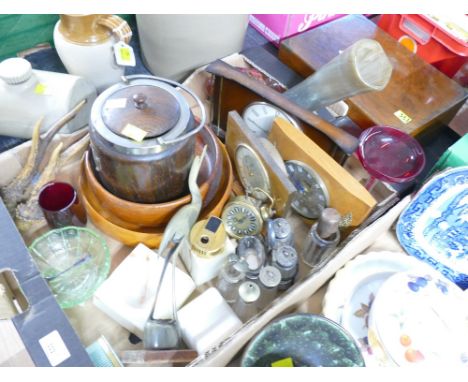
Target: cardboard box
{"x": 39, "y": 334}
{"x": 275, "y": 28}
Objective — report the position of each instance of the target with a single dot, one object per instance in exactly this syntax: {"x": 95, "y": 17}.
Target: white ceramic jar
{"x": 27, "y": 94}
{"x": 85, "y": 46}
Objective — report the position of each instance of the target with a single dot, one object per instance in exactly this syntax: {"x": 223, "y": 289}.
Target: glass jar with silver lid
{"x": 268, "y": 280}
{"x": 285, "y": 258}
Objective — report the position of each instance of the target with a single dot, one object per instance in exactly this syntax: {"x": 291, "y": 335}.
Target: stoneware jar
{"x": 143, "y": 138}
{"x": 85, "y": 46}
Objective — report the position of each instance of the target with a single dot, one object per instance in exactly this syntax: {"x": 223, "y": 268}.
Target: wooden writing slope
{"x": 418, "y": 95}
{"x": 347, "y": 195}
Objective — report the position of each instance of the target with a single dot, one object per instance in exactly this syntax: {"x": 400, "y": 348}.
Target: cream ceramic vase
{"x": 174, "y": 45}
{"x": 85, "y": 46}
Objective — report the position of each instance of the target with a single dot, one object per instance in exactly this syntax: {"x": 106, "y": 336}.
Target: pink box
{"x": 276, "y": 28}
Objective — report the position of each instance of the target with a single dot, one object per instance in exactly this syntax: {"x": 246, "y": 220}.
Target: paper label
{"x": 42, "y": 89}
{"x": 402, "y": 117}
{"x": 54, "y": 348}
{"x": 124, "y": 55}
{"x": 285, "y": 362}
{"x": 134, "y": 132}
{"x": 117, "y": 103}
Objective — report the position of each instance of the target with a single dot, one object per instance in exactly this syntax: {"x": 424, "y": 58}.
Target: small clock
{"x": 252, "y": 172}
{"x": 312, "y": 196}
{"x": 242, "y": 218}
{"x": 259, "y": 117}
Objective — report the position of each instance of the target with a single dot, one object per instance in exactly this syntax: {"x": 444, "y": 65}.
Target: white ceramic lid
{"x": 15, "y": 70}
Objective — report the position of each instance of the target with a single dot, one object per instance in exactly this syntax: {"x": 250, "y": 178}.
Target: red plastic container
{"x": 428, "y": 39}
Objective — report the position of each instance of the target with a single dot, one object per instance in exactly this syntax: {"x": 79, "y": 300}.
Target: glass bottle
{"x": 286, "y": 260}
{"x": 268, "y": 280}
{"x": 322, "y": 238}
{"x": 246, "y": 305}
{"x": 229, "y": 279}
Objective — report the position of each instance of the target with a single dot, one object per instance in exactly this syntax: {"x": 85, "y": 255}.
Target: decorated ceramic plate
{"x": 302, "y": 340}
{"x": 434, "y": 226}
{"x": 420, "y": 319}
{"x": 351, "y": 292}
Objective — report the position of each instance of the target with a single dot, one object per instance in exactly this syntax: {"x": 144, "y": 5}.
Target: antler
{"x": 29, "y": 214}
{"x": 18, "y": 190}
{"x": 13, "y": 193}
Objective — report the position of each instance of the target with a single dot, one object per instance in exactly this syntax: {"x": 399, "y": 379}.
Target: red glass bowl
{"x": 390, "y": 155}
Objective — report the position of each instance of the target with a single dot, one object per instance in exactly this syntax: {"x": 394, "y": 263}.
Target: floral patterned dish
{"x": 434, "y": 226}
{"x": 350, "y": 294}
{"x": 420, "y": 318}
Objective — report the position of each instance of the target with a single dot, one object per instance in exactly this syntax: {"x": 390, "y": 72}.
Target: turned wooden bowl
{"x": 131, "y": 235}
{"x": 155, "y": 215}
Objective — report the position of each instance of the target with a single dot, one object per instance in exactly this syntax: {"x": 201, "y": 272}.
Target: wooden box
{"x": 418, "y": 96}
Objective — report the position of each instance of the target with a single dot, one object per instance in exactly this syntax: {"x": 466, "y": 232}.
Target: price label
{"x": 42, "y": 89}
{"x": 403, "y": 117}
{"x": 124, "y": 55}
{"x": 285, "y": 362}
{"x": 134, "y": 132}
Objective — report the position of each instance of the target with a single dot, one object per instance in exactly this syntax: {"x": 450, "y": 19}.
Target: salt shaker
{"x": 279, "y": 232}
{"x": 286, "y": 260}
{"x": 322, "y": 238}
{"x": 246, "y": 305}
{"x": 229, "y": 279}
{"x": 251, "y": 251}
{"x": 268, "y": 280}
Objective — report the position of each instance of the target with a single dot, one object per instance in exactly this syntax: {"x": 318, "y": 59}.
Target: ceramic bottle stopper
{"x": 246, "y": 305}
{"x": 322, "y": 238}
{"x": 286, "y": 260}
{"x": 268, "y": 280}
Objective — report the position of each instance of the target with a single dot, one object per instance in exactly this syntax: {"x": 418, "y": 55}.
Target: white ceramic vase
{"x": 174, "y": 45}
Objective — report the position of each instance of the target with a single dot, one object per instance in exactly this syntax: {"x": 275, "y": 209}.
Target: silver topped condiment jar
{"x": 143, "y": 138}
{"x": 286, "y": 260}
{"x": 246, "y": 305}
{"x": 268, "y": 280}
{"x": 279, "y": 232}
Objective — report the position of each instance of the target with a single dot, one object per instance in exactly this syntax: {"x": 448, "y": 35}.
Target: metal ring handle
{"x": 194, "y": 131}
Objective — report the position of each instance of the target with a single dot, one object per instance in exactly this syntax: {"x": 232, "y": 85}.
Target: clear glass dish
{"x": 74, "y": 261}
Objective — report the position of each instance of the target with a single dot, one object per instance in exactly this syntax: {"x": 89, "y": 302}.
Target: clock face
{"x": 251, "y": 172}
{"x": 259, "y": 117}
{"x": 241, "y": 219}
{"x": 312, "y": 196}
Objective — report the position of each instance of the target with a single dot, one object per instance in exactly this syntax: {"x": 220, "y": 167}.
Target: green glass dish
{"x": 303, "y": 340}
{"x": 74, "y": 261}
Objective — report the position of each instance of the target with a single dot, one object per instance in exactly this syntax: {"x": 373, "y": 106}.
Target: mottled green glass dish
{"x": 306, "y": 340}
{"x": 74, "y": 261}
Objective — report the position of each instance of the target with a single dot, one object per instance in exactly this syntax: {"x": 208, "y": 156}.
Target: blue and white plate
{"x": 434, "y": 226}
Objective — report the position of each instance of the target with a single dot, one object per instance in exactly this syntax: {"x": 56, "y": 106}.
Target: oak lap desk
{"x": 418, "y": 95}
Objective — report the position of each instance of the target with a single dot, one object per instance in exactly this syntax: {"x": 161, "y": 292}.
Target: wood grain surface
{"x": 281, "y": 187}
{"x": 416, "y": 88}
{"x": 347, "y": 195}
{"x": 341, "y": 138}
